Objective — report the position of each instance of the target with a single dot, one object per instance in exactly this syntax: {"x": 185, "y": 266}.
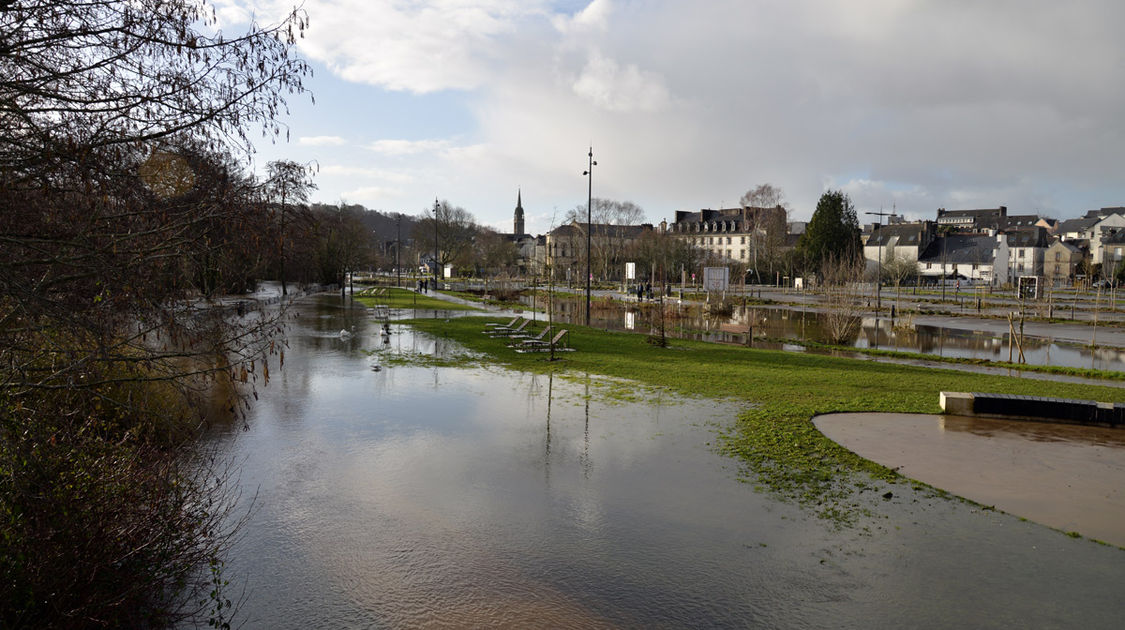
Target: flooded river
{"x": 403, "y": 497}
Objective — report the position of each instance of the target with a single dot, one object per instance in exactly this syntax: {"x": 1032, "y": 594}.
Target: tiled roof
{"x": 961, "y": 249}
{"x": 601, "y": 229}
{"x": 1028, "y": 237}
{"x": 1077, "y": 225}
{"x": 909, "y": 234}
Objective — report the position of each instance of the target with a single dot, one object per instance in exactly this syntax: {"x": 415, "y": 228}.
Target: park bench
{"x": 546, "y": 346}
{"x": 528, "y": 339}
{"x": 508, "y": 332}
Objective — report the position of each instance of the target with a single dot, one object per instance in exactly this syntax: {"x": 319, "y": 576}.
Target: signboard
{"x": 630, "y": 271}
{"x": 449, "y": 271}
{"x": 716, "y": 278}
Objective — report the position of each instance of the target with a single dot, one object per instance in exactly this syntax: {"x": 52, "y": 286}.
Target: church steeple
{"x": 517, "y": 221}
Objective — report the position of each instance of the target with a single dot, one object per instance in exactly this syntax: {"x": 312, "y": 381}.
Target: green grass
{"x": 477, "y": 297}
{"x": 402, "y": 298}
{"x": 774, "y": 437}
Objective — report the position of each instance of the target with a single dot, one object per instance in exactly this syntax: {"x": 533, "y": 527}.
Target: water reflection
{"x": 756, "y": 324}
{"x": 413, "y": 496}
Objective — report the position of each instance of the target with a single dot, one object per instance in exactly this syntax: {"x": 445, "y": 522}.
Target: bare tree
{"x": 494, "y": 253}
{"x": 287, "y": 182}
{"x": 898, "y": 268}
{"x": 449, "y": 230}
{"x": 614, "y": 223}
{"x": 118, "y": 207}
{"x": 843, "y": 304}
{"x": 767, "y": 221}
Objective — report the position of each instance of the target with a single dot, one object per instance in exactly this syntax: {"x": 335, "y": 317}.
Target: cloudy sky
{"x": 904, "y": 104}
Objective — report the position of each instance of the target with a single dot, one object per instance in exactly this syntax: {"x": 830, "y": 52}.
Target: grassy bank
{"x": 500, "y": 298}
{"x": 394, "y": 297}
{"x": 774, "y": 437}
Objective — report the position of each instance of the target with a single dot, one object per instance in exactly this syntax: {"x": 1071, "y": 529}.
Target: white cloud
{"x": 470, "y": 153}
{"x": 914, "y": 104}
{"x": 366, "y": 173}
{"x": 408, "y": 147}
{"x": 373, "y": 195}
{"x": 595, "y": 17}
{"x": 606, "y": 84}
{"x": 413, "y": 46}
{"x": 231, "y": 12}
{"x": 320, "y": 141}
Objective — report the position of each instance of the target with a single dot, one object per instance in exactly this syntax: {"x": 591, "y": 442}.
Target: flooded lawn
{"x": 1066, "y": 476}
{"x": 989, "y": 342}
{"x": 474, "y": 497}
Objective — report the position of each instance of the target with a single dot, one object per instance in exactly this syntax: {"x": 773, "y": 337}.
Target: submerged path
{"x": 1064, "y": 476}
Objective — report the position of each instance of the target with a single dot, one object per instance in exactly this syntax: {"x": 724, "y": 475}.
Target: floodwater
{"x": 690, "y": 321}
{"x": 410, "y": 497}
{"x": 1066, "y": 476}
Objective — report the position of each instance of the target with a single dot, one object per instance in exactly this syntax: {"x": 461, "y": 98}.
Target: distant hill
{"x": 382, "y": 224}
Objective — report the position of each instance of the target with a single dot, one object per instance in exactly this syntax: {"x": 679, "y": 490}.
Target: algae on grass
{"x": 774, "y": 437}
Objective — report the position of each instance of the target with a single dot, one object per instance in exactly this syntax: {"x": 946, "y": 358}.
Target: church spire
{"x": 517, "y": 220}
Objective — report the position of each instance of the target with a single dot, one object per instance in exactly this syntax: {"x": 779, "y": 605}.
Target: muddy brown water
{"x": 448, "y": 497}
{"x": 1066, "y": 476}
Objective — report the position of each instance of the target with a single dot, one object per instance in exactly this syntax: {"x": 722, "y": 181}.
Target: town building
{"x": 565, "y": 249}
{"x": 899, "y": 241}
{"x": 972, "y": 220}
{"x": 733, "y": 235}
{"x": 969, "y": 256}
{"x": 1027, "y": 249}
{"x": 525, "y": 244}
{"x": 1061, "y": 262}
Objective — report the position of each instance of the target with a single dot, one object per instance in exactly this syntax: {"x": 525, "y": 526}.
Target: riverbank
{"x": 775, "y": 439}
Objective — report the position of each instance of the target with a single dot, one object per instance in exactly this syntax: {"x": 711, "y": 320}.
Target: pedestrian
{"x": 640, "y": 292}
{"x": 648, "y": 289}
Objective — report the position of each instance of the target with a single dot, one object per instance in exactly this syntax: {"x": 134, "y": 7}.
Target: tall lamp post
{"x": 879, "y": 279}
{"x": 589, "y": 173}
{"x": 437, "y": 208}
{"x": 398, "y": 241}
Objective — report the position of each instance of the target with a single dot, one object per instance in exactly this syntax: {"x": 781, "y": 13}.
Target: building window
{"x": 1019, "y": 252}
{"x": 1020, "y": 267}
{"x": 728, "y": 243}
{"x": 929, "y": 265}
{"x": 742, "y": 253}
{"x": 742, "y": 240}
{"x": 728, "y": 253}
{"x": 1058, "y": 257}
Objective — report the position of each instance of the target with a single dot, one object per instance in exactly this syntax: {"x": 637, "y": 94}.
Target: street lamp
{"x": 879, "y": 279}
{"x": 398, "y": 241}
{"x": 589, "y": 173}
{"x": 437, "y": 208}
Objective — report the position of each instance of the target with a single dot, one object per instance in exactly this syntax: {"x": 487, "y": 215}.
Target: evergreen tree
{"x": 832, "y": 233}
